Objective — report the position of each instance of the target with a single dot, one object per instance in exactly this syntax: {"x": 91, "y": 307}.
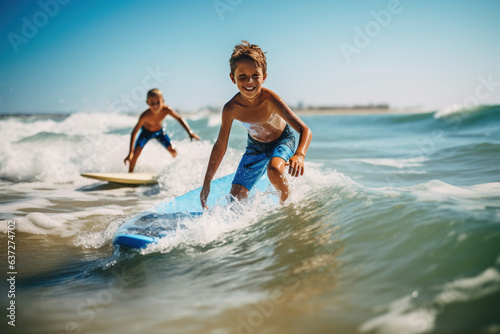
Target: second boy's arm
{"x": 218, "y": 152}
{"x": 139, "y": 124}
{"x": 184, "y": 124}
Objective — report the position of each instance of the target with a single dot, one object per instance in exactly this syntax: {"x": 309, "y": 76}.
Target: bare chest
{"x": 255, "y": 115}
{"x": 264, "y": 127}
{"x": 154, "y": 122}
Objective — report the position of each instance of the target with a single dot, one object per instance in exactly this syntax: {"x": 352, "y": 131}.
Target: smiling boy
{"x": 268, "y": 119}
{"x": 151, "y": 125}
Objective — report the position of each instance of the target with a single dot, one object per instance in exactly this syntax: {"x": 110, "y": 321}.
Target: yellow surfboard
{"x": 124, "y": 178}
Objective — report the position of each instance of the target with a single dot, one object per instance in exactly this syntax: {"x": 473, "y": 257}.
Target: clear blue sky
{"x": 69, "y": 55}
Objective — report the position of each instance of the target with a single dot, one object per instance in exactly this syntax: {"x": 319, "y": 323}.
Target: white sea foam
{"x": 396, "y": 163}
{"x": 214, "y": 120}
{"x": 98, "y": 238}
{"x": 455, "y": 112}
{"x": 45, "y": 195}
{"x": 42, "y": 208}
{"x": 226, "y": 218}
{"x": 475, "y": 197}
{"x": 403, "y": 316}
{"x": 36, "y": 223}
{"x": 33, "y": 203}
{"x": 465, "y": 289}
{"x": 438, "y": 191}
{"x": 211, "y": 226}
{"x": 449, "y": 110}
{"x": 59, "y": 151}
{"x": 62, "y": 224}
{"x": 315, "y": 179}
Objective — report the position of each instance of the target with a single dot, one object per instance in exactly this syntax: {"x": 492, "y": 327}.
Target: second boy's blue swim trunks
{"x": 254, "y": 162}
{"x": 146, "y": 135}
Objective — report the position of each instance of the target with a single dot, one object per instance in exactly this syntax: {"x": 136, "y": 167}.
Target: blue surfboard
{"x": 165, "y": 218}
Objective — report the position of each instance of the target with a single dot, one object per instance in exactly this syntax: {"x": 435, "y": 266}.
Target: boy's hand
{"x": 203, "y": 197}
{"x": 128, "y": 158}
{"x": 193, "y": 135}
{"x": 296, "y": 165}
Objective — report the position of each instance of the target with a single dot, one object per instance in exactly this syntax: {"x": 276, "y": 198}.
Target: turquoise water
{"x": 395, "y": 228}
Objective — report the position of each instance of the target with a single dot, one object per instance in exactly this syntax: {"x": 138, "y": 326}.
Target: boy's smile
{"x": 249, "y": 79}
{"x": 155, "y": 103}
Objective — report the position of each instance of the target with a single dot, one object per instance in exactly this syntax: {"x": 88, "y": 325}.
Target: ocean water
{"x": 394, "y": 228}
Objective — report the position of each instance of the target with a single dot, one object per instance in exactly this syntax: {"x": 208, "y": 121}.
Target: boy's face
{"x": 248, "y": 77}
{"x": 155, "y": 103}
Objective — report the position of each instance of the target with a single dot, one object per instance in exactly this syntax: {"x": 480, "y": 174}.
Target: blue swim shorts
{"x": 257, "y": 156}
{"x": 146, "y": 135}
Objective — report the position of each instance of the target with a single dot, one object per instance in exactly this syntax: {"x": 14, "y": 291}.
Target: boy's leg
{"x": 239, "y": 192}
{"x": 164, "y": 139}
{"x": 251, "y": 168}
{"x": 172, "y": 150}
{"x": 276, "y": 167}
{"x": 137, "y": 152}
{"x": 276, "y": 174}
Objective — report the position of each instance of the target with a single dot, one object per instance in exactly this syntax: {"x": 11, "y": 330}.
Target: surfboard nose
{"x": 133, "y": 241}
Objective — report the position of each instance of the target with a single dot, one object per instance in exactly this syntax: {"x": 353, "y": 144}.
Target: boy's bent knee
{"x": 276, "y": 165}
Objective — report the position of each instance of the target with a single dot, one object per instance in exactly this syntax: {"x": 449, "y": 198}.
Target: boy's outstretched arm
{"x": 184, "y": 124}
{"x": 296, "y": 162}
{"x": 218, "y": 152}
{"x": 130, "y": 154}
